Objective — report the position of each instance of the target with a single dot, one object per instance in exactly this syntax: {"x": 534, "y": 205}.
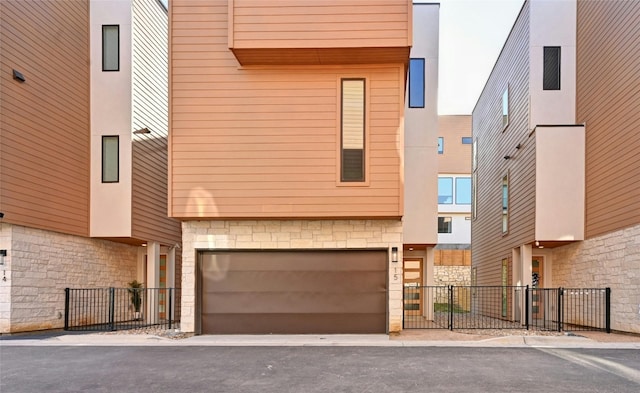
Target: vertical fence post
{"x": 560, "y": 307}
{"x": 169, "y": 315}
{"x": 112, "y": 300}
{"x": 450, "y": 307}
{"x": 66, "y": 309}
{"x": 527, "y": 296}
{"x": 607, "y": 311}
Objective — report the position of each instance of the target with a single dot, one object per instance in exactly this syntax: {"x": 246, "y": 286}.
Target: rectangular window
{"x": 444, "y": 224}
{"x": 445, "y": 190}
{"x": 440, "y": 145}
{"x": 463, "y": 190}
{"x": 505, "y": 204}
{"x": 467, "y": 140}
{"x": 416, "y": 83}
{"x": 110, "y": 48}
{"x": 551, "y": 71}
{"x": 353, "y": 129}
{"x": 110, "y": 159}
{"x": 505, "y": 108}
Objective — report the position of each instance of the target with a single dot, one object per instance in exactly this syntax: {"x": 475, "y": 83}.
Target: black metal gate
{"x": 506, "y": 307}
{"x": 108, "y": 309}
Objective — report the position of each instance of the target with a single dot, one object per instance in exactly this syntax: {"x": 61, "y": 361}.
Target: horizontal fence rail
{"x": 506, "y": 307}
{"x": 109, "y": 309}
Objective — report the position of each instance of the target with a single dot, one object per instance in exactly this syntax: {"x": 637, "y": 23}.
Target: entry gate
{"x": 506, "y": 307}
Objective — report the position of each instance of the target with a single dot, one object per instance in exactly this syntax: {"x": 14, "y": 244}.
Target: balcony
{"x": 560, "y": 183}
{"x": 321, "y": 32}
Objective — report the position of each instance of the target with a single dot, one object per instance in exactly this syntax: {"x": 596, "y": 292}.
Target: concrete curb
{"x": 374, "y": 340}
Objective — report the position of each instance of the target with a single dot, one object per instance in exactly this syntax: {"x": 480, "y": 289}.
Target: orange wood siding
{"x": 44, "y": 122}
{"x": 456, "y": 157}
{"x": 608, "y": 101}
{"x": 263, "y": 142}
{"x": 150, "y": 110}
{"x": 490, "y": 246}
{"x": 319, "y": 31}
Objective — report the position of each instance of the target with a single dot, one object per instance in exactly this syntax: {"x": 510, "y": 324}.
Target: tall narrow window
{"x": 474, "y": 179}
{"x": 110, "y": 159}
{"x": 551, "y": 71}
{"x": 440, "y": 145}
{"x": 463, "y": 190}
{"x": 505, "y": 108}
{"x": 505, "y": 204}
{"x": 416, "y": 83}
{"x": 353, "y": 130}
{"x": 445, "y": 190}
{"x": 505, "y": 281}
{"x": 110, "y": 48}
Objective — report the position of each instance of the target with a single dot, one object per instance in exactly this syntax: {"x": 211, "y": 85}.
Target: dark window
{"x": 444, "y": 224}
{"x": 551, "y": 72}
{"x": 110, "y": 48}
{"x": 416, "y": 83}
{"x": 467, "y": 140}
{"x": 353, "y": 128}
{"x": 110, "y": 159}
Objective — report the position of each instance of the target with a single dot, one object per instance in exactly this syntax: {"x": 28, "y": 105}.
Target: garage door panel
{"x": 294, "y": 303}
{"x": 293, "y": 291}
{"x": 297, "y": 324}
{"x": 220, "y": 263}
{"x": 297, "y": 281}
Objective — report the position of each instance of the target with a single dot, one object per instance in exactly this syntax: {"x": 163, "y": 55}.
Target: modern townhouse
{"x": 556, "y": 201}
{"x": 83, "y": 154}
{"x": 301, "y": 179}
{"x": 453, "y": 251}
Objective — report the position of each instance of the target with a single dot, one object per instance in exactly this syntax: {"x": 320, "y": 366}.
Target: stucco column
{"x": 153, "y": 280}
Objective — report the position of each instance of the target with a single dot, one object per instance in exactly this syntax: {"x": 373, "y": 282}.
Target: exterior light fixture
{"x": 394, "y": 254}
{"x": 17, "y": 75}
{"x": 507, "y": 157}
{"x": 3, "y": 254}
{"x": 142, "y": 131}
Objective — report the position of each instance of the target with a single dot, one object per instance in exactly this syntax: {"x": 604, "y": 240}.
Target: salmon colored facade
{"x": 63, "y": 225}
{"x": 287, "y": 133}
{"x": 555, "y": 194}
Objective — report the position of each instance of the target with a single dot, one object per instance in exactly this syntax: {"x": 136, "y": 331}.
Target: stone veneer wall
{"x": 452, "y": 275}
{"x": 41, "y": 264}
{"x": 290, "y": 234}
{"x": 611, "y": 260}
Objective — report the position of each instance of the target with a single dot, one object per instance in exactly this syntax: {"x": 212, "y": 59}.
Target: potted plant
{"x": 135, "y": 291}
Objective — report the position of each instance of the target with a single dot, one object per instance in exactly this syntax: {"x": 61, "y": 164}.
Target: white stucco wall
{"x": 110, "y": 115}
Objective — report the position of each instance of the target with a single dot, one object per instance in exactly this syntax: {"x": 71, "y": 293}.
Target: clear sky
{"x": 472, "y": 33}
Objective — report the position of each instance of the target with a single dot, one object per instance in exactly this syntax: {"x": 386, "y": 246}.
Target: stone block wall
{"x": 611, "y": 260}
{"x": 452, "y": 275}
{"x": 41, "y": 264}
{"x": 289, "y": 234}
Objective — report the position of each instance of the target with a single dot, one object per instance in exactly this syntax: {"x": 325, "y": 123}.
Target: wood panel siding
{"x": 263, "y": 142}
{"x": 320, "y": 31}
{"x": 150, "y": 219}
{"x": 608, "y": 82}
{"x": 44, "y": 121}
{"x": 456, "y": 157}
{"x": 490, "y": 245}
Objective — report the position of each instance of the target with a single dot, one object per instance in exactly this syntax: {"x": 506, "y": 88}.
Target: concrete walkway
{"x": 408, "y": 339}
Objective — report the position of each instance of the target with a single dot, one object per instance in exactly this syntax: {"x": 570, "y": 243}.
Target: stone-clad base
{"x": 611, "y": 260}
{"x": 289, "y": 234}
{"x": 41, "y": 264}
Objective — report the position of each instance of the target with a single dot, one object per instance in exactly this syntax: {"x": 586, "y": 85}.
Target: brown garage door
{"x": 293, "y": 292}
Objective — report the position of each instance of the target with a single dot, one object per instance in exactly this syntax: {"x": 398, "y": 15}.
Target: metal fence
{"x": 506, "y": 307}
{"x": 108, "y": 309}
